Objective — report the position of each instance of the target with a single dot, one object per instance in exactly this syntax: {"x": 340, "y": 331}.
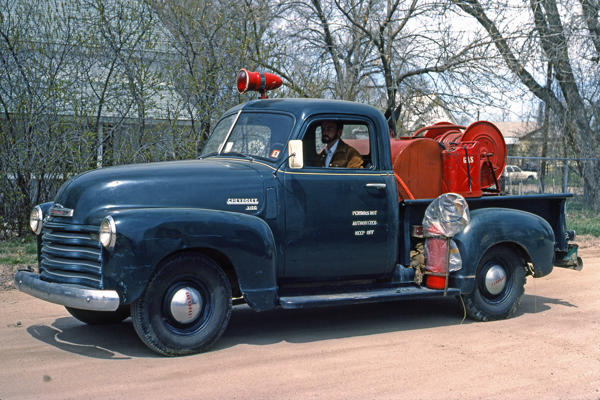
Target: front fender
{"x": 493, "y": 226}
{"x": 147, "y": 236}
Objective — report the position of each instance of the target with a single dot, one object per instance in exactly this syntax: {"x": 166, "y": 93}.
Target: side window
{"x": 353, "y": 149}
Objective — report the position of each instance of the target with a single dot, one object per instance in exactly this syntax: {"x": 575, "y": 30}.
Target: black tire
{"x": 100, "y": 317}
{"x": 156, "y": 321}
{"x": 530, "y": 179}
{"x": 498, "y": 299}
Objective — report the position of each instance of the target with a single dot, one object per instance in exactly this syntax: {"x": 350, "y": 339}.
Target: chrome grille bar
{"x": 71, "y": 254}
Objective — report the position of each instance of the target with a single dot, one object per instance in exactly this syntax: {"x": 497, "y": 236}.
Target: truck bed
{"x": 550, "y": 207}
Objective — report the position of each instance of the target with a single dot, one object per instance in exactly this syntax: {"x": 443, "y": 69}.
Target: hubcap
{"x": 495, "y": 279}
{"x": 186, "y": 305}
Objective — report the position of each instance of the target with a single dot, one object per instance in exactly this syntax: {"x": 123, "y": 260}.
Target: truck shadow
{"x": 532, "y": 304}
{"x": 312, "y": 325}
{"x": 112, "y": 342}
{"x": 120, "y": 342}
{"x": 303, "y": 326}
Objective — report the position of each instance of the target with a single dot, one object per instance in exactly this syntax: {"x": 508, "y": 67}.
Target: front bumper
{"x": 66, "y": 294}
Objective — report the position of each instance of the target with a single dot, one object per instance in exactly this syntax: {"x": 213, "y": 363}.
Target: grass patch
{"x": 581, "y": 219}
{"x": 18, "y": 251}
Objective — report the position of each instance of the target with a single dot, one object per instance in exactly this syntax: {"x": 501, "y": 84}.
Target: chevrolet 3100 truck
{"x": 257, "y": 219}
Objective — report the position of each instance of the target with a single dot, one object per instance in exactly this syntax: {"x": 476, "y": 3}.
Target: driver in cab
{"x": 337, "y": 153}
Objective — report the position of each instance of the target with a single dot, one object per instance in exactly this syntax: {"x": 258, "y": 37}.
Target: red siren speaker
{"x": 257, "y": 81}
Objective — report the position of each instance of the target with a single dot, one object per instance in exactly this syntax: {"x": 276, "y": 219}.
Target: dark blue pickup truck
{"x": 257, "y": 219}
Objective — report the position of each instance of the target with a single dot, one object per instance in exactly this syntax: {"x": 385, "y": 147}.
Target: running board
{"x": 370, "y": 296}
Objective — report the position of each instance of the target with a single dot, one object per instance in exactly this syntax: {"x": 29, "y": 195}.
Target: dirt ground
{"x": 7, "y": 273}
{"x": 412, "y": 350}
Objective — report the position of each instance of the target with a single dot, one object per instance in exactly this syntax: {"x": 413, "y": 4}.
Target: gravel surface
{"x": 7, "y": 273}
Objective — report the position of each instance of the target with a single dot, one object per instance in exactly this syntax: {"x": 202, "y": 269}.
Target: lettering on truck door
{"x": 336, "y": 217}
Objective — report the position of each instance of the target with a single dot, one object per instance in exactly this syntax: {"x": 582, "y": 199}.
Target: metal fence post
{"x": 566, "y": 176}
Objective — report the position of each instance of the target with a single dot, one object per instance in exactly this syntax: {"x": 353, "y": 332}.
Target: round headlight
{"x": 35, "y": 220}
{"x": 108, "y": 232}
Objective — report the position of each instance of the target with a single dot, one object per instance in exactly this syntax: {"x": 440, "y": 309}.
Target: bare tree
{"x": 209, "y": 42}
{"x": 127, "y": 36}
{"x": 65, "y": 67}
{"x": 562, "y": 36}
{"x": 387, "y": 52}
{"x": 36, "y": 50}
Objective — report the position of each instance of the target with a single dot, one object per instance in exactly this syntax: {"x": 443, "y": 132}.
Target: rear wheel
{"x": 499, "y": 285}
{"x": 185, "y": 307}
{"x": 100, "y": 317}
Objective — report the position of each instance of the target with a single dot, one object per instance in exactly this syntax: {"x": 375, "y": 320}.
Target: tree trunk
{"x": 591, "y": 183}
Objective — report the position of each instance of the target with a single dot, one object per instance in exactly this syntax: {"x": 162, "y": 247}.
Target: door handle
{"x": 378, "y": 186}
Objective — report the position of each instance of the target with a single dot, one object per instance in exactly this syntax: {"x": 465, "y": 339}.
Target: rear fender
{"x": 530, "y": 234}
{"x": 145, "y": 237}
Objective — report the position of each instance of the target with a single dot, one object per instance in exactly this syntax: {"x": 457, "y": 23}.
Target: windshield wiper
{"x": 233, "y": 153}
{"x": 236, "y": 153}
{"x": 214, "y": 153}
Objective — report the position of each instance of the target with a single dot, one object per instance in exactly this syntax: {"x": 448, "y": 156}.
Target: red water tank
{"x": 418, "y": 167}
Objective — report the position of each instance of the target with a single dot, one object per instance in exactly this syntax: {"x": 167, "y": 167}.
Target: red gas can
{"x": 461, "y": 169}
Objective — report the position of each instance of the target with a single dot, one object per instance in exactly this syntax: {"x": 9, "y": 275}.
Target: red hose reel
{"x": 492, "y": 148}
{"x": 469, "y": 160}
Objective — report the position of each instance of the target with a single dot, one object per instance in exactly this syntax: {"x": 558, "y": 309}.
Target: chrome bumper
{"x": 65, "y": 294}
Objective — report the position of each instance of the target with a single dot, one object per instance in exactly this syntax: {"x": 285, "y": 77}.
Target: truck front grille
{"x": 71, "y": 254}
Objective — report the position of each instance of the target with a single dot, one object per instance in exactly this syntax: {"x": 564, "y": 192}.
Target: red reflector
{"x": 417, "y": 231}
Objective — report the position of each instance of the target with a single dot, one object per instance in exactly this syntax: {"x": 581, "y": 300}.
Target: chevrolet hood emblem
{"x": 57, "y": 210}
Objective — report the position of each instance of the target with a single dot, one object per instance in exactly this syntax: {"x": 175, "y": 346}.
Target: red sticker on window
{"x": 275, "y": 153}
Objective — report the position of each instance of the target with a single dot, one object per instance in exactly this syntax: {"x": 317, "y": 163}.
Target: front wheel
{"x": 185, "y": 307}
{"x": 499, "y": 285}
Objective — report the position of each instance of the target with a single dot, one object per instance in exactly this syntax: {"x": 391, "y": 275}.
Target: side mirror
{"x": 296, "y": 159}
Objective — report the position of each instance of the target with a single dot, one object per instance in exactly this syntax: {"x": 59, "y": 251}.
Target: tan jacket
{"x": 344, "y": 156}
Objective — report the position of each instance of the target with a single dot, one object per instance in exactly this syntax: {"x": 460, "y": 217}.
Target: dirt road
{"x": 412, "y": 350}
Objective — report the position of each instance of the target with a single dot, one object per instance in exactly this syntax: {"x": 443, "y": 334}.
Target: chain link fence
{"x": 527, "y": 175}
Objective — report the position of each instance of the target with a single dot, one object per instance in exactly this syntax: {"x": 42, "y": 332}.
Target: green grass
{"x": 582, "y": 220}
{"x": 18, "y": 251}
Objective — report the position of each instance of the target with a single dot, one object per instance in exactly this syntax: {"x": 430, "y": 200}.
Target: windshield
{"x": 261, "y": 135}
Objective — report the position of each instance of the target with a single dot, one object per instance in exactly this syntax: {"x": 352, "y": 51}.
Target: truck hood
{"x": 213, "y": 184}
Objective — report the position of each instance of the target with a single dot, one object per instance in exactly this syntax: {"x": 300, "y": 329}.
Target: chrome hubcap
{"x": 186, "y": 305}
{"x": 495, "y": 279}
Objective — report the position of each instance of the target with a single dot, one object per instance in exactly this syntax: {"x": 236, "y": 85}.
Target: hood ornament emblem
{"x": 58, "y": 210}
